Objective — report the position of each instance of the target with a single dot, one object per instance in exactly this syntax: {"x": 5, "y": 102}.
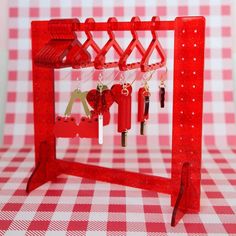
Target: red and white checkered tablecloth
{"x": 78, "y": 206}
{"x": 75, "y": 206}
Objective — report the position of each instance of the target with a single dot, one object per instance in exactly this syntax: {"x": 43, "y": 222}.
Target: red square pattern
{"x": 155, "y": 227}
{"x": 116, "y": 226}
{"x": 13, "y": 12}
{"x": 195, "y": 228}
{"x": 162, "y": 11}
{"x": 205, "y": 10}
{"x": 55, "y": 11}
{"x": 118, "y": 11}
{"x": 224, "y": 210}
{"x": 97, "y": 11}
{"x": 76, "y": 11}
{"x": 77, "y": 226}
{"x": 117, "y": 208}
{"x": 34, "y": 12}
{"x": 225, "y": 10}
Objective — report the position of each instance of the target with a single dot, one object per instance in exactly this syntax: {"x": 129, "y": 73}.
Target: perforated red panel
{"x": 187, "y": 106}
{"x": 43, "y": 95}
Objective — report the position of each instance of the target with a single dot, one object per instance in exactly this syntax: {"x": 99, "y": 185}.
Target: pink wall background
{"x": 219, "y": 119}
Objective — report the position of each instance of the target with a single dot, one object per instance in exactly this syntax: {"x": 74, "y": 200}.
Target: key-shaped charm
{"x": 100, "y": 100}
{"x": 122, "y": 96}
{"x": 143, "y": 107}
{"x": 162, "y": 94}
{"x": 78, "y": 94}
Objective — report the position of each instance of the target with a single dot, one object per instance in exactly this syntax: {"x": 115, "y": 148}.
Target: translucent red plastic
{"x": 55, "y": 45}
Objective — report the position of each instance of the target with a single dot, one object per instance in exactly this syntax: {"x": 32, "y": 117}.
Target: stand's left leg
{"x": 43, "y": 171}
{"x": 44, "y": 111}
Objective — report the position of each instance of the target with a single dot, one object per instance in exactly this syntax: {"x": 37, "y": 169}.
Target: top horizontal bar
{"x": 122, "y": 26}
{"x": 75, "y": 25}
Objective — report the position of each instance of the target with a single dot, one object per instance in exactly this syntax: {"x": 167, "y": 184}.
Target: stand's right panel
{"x": 187, "y": 109}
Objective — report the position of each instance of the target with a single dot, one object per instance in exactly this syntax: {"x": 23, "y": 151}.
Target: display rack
{"x": 55, "y": 45}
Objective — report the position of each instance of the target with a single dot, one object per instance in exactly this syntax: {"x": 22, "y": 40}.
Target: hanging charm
{"x": 100, "y": 99}
{"x": 66, "y": 126}
{"x": 162, "y": 94}
{"x": 100, "y": 129}
{"x": 100, "y": 115}
{"x": 77, "y": 94}
{"x": 162, "y": 76}
{"x": 143, "y": 103}
{"x": 122, "y": 96}
{"x": 143, "y": 107}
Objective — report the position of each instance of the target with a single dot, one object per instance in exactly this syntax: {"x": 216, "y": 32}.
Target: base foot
{"x": 41, "y": 175}
{"x": 178, "y": 213}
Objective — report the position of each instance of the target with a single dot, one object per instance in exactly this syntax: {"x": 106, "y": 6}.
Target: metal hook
{"x": 100, "y": 77}
{"x": 122, "y": 78}
{"x": 149, "y": 76}
{"x": 125, "y": 90}
{"x": 163, "y": 75}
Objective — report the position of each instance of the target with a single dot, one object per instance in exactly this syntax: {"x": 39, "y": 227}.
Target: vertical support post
{"x": 187, "y": 110}
{"x": 44, "y": 111}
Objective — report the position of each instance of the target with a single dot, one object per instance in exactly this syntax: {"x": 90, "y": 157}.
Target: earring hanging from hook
{"x": 122, "y": 96}
{"x": 125, "y": 90}
{"x": 100, "y": 115}
{"x": 100, "y": 86}
{"x": 78, "y": 94}
{"x": 162, "y": 86}
{"x": 100, "y": 99}
{"x": 124, "y": 85}
{"x": 143, "y": 102}
{"x": 124, "y": 79}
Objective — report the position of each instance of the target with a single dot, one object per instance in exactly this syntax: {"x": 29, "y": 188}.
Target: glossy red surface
{"x": 142, "y": 115}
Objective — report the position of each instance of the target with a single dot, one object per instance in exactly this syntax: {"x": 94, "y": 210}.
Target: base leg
{"x": 178, "y": 213}
{"x": 41, "y": 173}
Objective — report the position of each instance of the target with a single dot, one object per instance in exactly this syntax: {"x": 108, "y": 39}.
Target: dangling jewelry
{"x": 122, "y": 96}
{"x": 100, "y": 99}
{"x": 143, "y": 104}
{"x": 162, "y": 86}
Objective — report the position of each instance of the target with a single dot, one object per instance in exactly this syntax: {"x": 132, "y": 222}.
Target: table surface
{"x": 78, "y": 206}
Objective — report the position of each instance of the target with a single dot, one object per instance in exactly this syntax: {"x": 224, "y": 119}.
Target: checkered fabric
{"x": 219, "y": 118}
{"x": 78, "y": 206}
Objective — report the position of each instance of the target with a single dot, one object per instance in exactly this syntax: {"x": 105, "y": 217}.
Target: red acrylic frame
{"x": 184, "y": 184}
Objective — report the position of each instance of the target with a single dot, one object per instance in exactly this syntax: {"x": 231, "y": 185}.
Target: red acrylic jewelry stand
{"x": 55, "y": 45}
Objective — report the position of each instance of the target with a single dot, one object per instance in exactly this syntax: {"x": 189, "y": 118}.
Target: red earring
{"x": 122, "y": 96}
{"x": 143, "y": 104}
{"x": 162, "y": 76}
{"x": 100, "y": 99}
